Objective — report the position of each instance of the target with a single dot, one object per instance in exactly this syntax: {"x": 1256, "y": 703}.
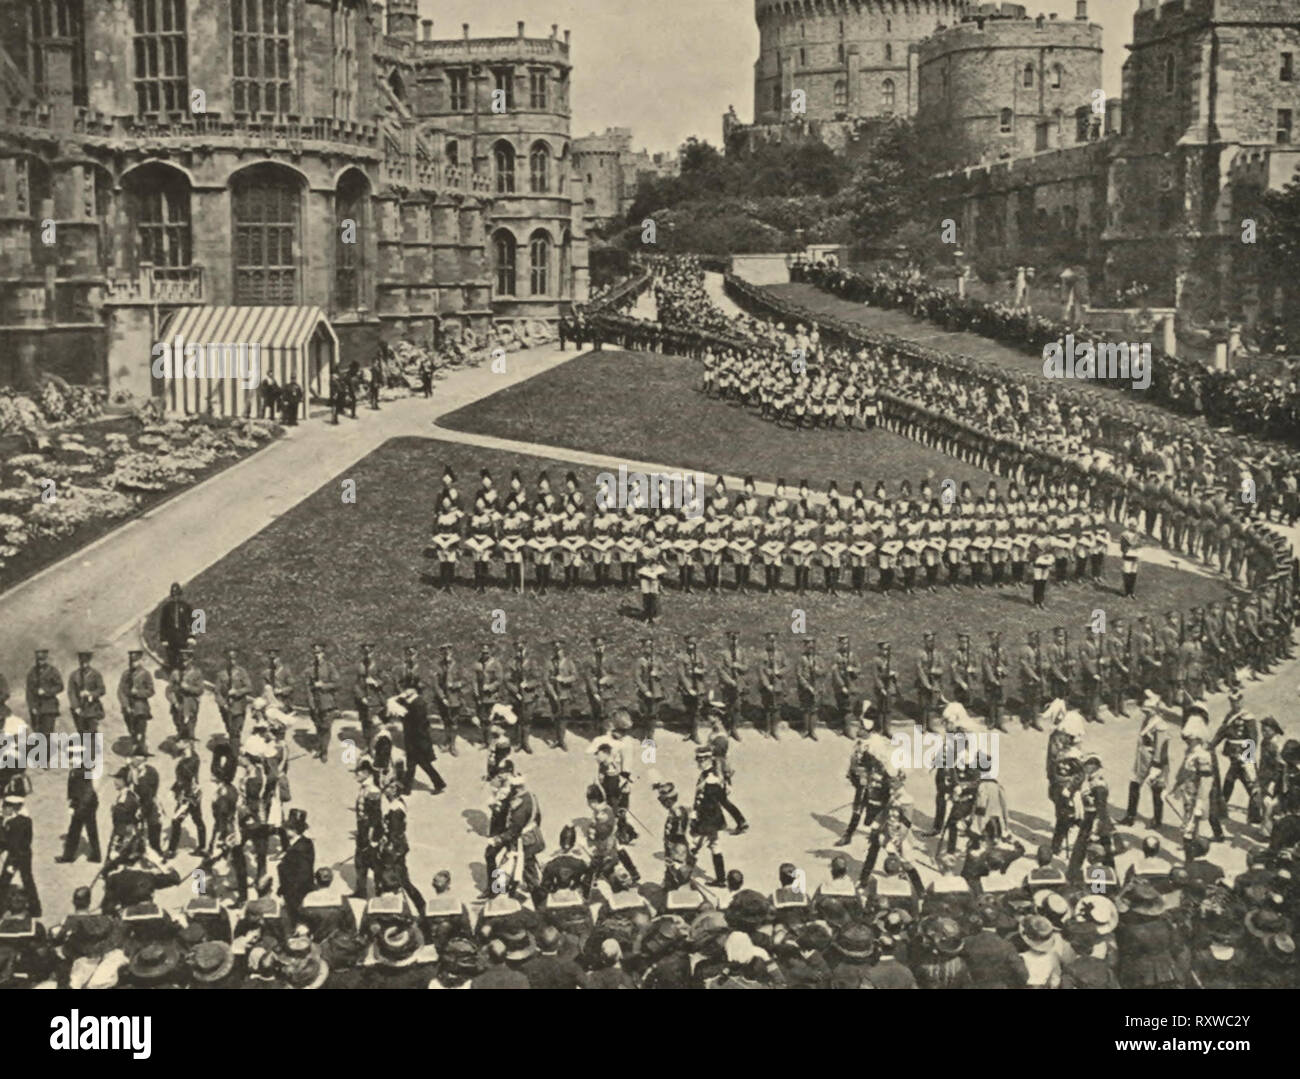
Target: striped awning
{"x": 288, "y": 343}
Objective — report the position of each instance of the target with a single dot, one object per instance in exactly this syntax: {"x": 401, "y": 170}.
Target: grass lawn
{"x": 350, "y": 573}
{"x": 647, "y": 407}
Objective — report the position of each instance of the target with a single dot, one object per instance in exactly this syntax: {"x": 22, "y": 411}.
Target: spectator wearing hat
{"x": 993, "y": 960}
{"x": 663, "y": 962}
{"x": 297, "y": 866}
{"x": 156, "y": 965}
{"x": 938, "y": 960}
{"x": 851, "y": 954}
{"x": 1040, "y": 952}
{"x": 1151, "y": 953}
{"x": 458, "y": 965}
{"x": 545, "y": 968}
{"x": 399, "y": 959}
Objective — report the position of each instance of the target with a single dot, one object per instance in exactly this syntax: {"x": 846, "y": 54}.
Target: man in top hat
{"x": 134, "y": 690}
{"x": 806, "y": 680}
{"x": 561, "y": 676}
{"x": 368, "y": 688}
{"x": 175, "y": 624}
{"x": 417, "y": 738}
{"x": 185, "y": 687}
{"x": 44, "y": 684}
{"x": 322, "y": 682}
{"x": 86, "y": 695}
{"x": 16, "y": 851}
{"x": 691, "y": 673}
{"x": 297, "y": 868}
{"x": 448, "y": 690}
{"x": 233, "y": 689}
{"x": 771, "y": 684}
{"x": 732, "y": 667}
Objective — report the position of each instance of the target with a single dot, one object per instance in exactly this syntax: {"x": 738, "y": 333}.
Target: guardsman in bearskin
{"x": 806, "y": 677}
{"x": 368, "y": 689}
{"x": 188, "y": 797}
{"x": 1197, "y": 787}
{"x": 690, "y": 684}
{"x": 448, "y": 689}
{"x": 1239, "y": 736}
{"x": 134, "y": 689}
{"x": 771, "y": 685}
{"x": 865, "y": 772}
{"x": 322, "y": 682}
{"x": 561, "y": 676}
{"x": 599, "y": 682}
{"x": 707, "y": 820}
{"x": 521, "y": 691}
{"x": 86, "y": 695}
{"x": 844, "y": 677}
{"x": 649, "y": 686}
{"x": 233, "y": 690}
{"x": 487, "y": 683}
{"x": 44, "y": 684}
{"x": 1150, "y": 767}
{"x": 884, "y": 684}
{"x": 732, "y": 668}
{"x": 994, "y": 672}
{"x": 929, "y": 680}
{"x": 83, "y": 800}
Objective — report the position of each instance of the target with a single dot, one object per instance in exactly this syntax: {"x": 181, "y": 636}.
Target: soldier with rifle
{"x": 322, "y": 681}
{"x": 732, "y": 668}
{"x": 1032, "y": 682}
{"x": 134, "y": 689}
{"x": 561, "y": 676}
{"x": 368, "y": 689}
{"x": 964, "y": 672}
{"x": 521, "y": 690}
{"x": 649, "y": 686}
{"x": 1092, "y": 676}
{"x": 771, "y": 688}
{"x": 844, "y": 675}
{"x": 447, "y": 690}
{"x": 994, "y": 675}
{"x": 885, "y": 685}
{"x": 1171, "y": 643}
{"x": 487, "y": 683}
{"x": 233, "y": 690}
{"x": 690, "y": 683}
{"x": 86, "y": 695}
{"x": 929, "y": 680}
{"x": 599, "y": 682}
{"x": 1060, "y": 666}
{"x": 1118, "y": 671}
{"x": 1190, "y": 668}
{"x": 806, "y": 676}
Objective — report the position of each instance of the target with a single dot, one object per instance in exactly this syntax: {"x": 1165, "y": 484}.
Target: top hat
{"x": 297, "y": 820}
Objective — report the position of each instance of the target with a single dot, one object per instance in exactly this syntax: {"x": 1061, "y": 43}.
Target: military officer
{"x": 1146, "y": 657}
{"x": 86, "y": 696}
{"x": 649, "y": 686}
{"x": 83, "y": 801}
{"x": 707, "y": 819}
{"x": 188, "y": 799}
{"x": 732, "y": 668}
{"x": 184, "y": 691}
{"x": 1092, "y": 675}
{"x": 521, "y": 689}
{"x": 1171, "y": 676}
{"x": 16, "y": 843}
{"x": 964, "y": 671}
{"x": 448, "y": 695}
{"x": 1118, "y": 671}
{"x": 44, "y": 684}
{"x": 134, "y": 689}
{"x": 1150, "y": 768}
{"x": 276, "y": 681}
{"x": 994, "y": 672}
{"x": 866, "y": 772}
{"x": 806, "y": 677}
{"x": 690, "y": 684}
{"x": 407, "y": 674}
{"x": 232, "y": 688}
{"x": 771, "y": 685}
{"x": 368, "y": 688}
{"x": 1239, "y": 736}
{"x": 929, "y": 680}
{"x": 885, "y": 684}
{"x": 1059, "y": 665}
{"x": 322, "y": 682}
{"x": 561, "y": 676}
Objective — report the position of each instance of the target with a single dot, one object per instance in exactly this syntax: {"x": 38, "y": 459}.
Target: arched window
{"x": 453, "y": 152}
{"x": 539, "y": 264}
{"x": 504, "y": 157}
{"x": 503, "y": 255}
{"x": 1004, "y": 121}
{"x": 889, "y": 52}
{"x": 1170, "y": 74}
{"x": 539, "y": 169}
{"x": 266, "y": 215}
{"x": 1029, "y": 75}
{"x": 839, "y": 52}
{"x": 396, "y": 85}
{"x": 841, "y": 92}
{"x": 158, "y": 202}
{"x": 887, "y": 93}
{"x": 1058, "y": 73}
{"x": 566, "y": 261}
{"x": 350, "y": 205}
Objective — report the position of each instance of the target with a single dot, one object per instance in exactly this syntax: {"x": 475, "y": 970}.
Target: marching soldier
{"x": 844, "y": 675}
{"x": 929, "y": 680}
{"x": 649, "y": 686}
{"x": 964, "y": 672}
{"x": 134, "y": 689}
{"x": 720, "y": 743}
{"x": 44, "y": 684}
{"x": 885, "y": 684}
{"x": 1033, "y": 684}
{"x": 1239, "y": 736}
{"x": 560, "y": 679}
{"x": 521, "y": 688}
{"x": 322, "y": 682}
{"x": 732, "y": 668}
{"x": 487, "y": 683}
{"x": 1150, "y": 768}
{"x": 233, "y": 688}
{"x": 276, "y": 681}
{"x": 368, "y": 689}
{"x": 86, "y": 696}
{"x": 1059, "y": 666}
{"x": 806, "y": 680}
{"x": 690, "y": 683}
{"x": 599, "y": 682}
{"x": 994, "y": 671}
{"x": 185, "y": 790}
{"x": 447, "y": 695}
{"x": 1197, "y": 786}
{"x": 771, "y": 685}
{"x": 145, "y": 783}
{"x": 83, "y": 801}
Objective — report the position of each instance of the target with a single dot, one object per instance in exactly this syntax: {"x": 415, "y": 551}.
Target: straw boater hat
{"x": 1140, "y": 898}
{"x": 397, "y": 945}
{"x": 155, "y": 962}
{"x": 1097, "y": 911}
{"x": 210, "y": 962}
{"x": 1037, "y": 932}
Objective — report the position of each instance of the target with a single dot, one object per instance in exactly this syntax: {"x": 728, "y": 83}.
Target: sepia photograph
{"x": 573, "y": 494}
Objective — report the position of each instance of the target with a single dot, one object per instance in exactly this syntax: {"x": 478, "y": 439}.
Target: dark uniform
{"x": 16, "y": 842}
{"x": 732, "y": 668}
{"x": 44, "y": 684}
{"x": 134, "y": 689}
{"x": 994, "y": 673}
{"x": 232, "y": 688}
{"x": 368, "y": 689}
{"x": 808, "y": 672}
{"x": 322, "y": 683}
{"x": 649, "y": 686}
{"x": 771, "y": 688}
{"x": 690, "y": 683}
{"x": 83, "y": 800}
{"x": 447, "y": 695}
{"x": 86, "y": 696}
{"x": 189, "y": 803}
{"x": 521, "y": 689}
{"x": 929, "y": 681}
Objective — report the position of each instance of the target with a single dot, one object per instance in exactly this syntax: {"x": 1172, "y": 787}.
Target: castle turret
{"x": 403, "y": 18}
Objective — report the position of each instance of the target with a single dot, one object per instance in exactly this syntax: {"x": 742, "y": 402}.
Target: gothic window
{"x": 453, "y": 152}
{"x": 265, "y": 213}
{"x": 503, "y": 255}
{"x": 887, "y": 94}
{"x": 539, "y": 169}
{"x": 1028, "y": 75}
{"x": 503, "y": 85}
{"x": 1004, "y": 121}
{"x": 1283, "y": 126}
{"x": 458, "y": 85}
{"x": 158, "y": 200}
{"x": 889, "y": 52}
{"x": 538, "y": 89}
{"x": 349, "y": 258}
{"x": 841, "y": 92}
{"x": 1058, "y": 73}
{"x": 53, "y": 20}
{"x": 503, "y": 156}
{"x": 539, "y": 264}
{"x": 161, "y": 84}
{"x": 260, "y": 48}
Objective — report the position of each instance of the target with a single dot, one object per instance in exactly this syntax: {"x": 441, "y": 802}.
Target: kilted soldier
{"x": 521, "y": 691}
{"x": 134, "y": 689}
{"x": 561, "y": 676}
{"x": 233, "y": 688}
{"x": 771, "y": 685}
{"x": 448, "y": 695}
{"x": 86, "y": 696}
{"x": 929, "y": 680}
{"x": 1059, "y": 665}
{"x": 368, "y": 688}
{"x": 844, "y": 677}
{"x": 649, "y": 686}
{"x": 1197, "y": 787}
{"x": 322, "y": 683}
{"x": 188, "y": 799}
{"x": 691, "y": 672}
{"x": 1150, "y": 768}
{"x": 83, "y": 801}
{"x": 44, "y": 684}
{"x": 488, "y": 683}
{"x": 598, "y": 680}
{"x": 707, "y": 820}
{"x": 994, "y": 673}
{"x": 964, "y": 671}
{"x": 1239, "y": 736}
{"x": 275, "y": 682}
{"x": 809, "y": 671}
{"x": 868, "y": 774}
{"x": 1118, "y": 670}
{"x": 732, "y": 668}
{"x": 884, "y": 684}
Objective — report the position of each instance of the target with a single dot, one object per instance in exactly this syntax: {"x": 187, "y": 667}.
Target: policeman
{"x": 732, "y": 668}
{"x": 771, "y": 685}
{"x": 86, "y": 695}
{"x": 322, "y": 682}
{"x": 994, "y": 672}
{"x": 809, "y": 671}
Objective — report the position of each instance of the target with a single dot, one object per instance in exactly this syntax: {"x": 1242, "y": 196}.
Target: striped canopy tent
{"x": 219, "y": 356}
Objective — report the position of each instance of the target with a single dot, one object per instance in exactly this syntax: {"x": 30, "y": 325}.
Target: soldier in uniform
{"x": 1150, "y": 768}
{"x": 134, "y": 689}
{"x": 487, "y": 683}
{"x": 732, "y": 668}
{"x": 720, "y": 742}
{"x": 448, "y": 695}
{"x": 1059, "y": 666}
{"x": 407, "y": 674}
{"x": 690, "y": 684}
{"x": 188, "y": 798}
{"x": 929, "y": 680}
{"x": 678, "y": 860}
{"x": 994, "y": 672}
{"x": 771, "y": 688}
{"x": 599, "y": 682}
{"x": 175, "y": 623}
{"x": 16, "y": 844}
{"x": 560, "y": 679}
{"x": 964, "y": 671}
{"x": 1118, "y": 671}
{"x": 276, "y": 681}
{"x": 368, "y": 689}
{"x": 885, "y": 684}
{"x": 83, "y": 801}
{"x": 1171, "y": 676}
{"x": 809, "y": 671}
{"x": 649, "y": 686}
{"x": 1239, "y": 736}
{"x": 233, "y": 688}
{"x": 1197, "y": 786}
{"x": 185, "y": 688}
{"x": 844, "y": 675}
{"x": 1032, "y": 682}
{"x": 145, "y": 783}
{"x": 86, "y": 696}
{"x": 521, "y": 689}
{"x": 322, "y": 682}
{"x": 1094, "y": 823}
{"x": 1092, "y": 676}
{"x": 866, "y": 772}
{"x": 44, "y": 684}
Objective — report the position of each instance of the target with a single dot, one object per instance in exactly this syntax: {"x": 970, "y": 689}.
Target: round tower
{"x": 403, "y": 18}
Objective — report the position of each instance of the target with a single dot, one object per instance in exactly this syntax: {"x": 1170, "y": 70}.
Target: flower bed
{"x": 91, "y": 477}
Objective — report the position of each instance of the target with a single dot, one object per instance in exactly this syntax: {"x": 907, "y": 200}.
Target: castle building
{"x": 163, "y": 154}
